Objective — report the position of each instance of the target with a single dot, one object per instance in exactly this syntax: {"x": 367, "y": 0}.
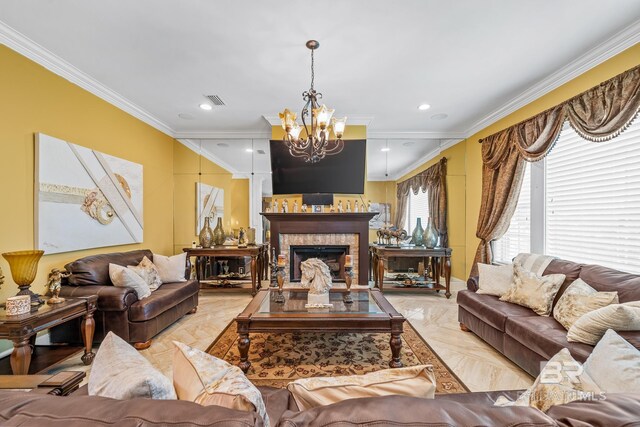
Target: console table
{"x": 440, "y": 259}
{"x": 21, "y": 329}
{"x": 259, "y": 260}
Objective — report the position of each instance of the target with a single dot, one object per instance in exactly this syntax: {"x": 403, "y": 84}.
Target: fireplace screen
{"x": 333, "y": 256}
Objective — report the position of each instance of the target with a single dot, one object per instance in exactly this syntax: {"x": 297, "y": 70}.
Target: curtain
{"x": 599, "y": 114}
{"x": 432, "y": 180}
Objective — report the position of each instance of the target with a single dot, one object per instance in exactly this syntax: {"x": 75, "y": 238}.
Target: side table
{"x": 22, "y": 328}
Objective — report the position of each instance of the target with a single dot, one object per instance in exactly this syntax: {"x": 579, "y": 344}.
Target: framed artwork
{"x": 383, "y": 216}
{"x": 84, "y": 198}
{"x": 317, "y": 208}
{"x": 209, "y": 203}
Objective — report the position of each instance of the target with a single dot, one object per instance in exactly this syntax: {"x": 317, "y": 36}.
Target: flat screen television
{"x": 342, "y": 173}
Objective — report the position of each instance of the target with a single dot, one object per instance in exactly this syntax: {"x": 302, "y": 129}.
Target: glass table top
{"x": 295, "y": 300}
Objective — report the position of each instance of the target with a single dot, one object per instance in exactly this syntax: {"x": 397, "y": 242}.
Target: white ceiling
{"x": 474, "y": 60}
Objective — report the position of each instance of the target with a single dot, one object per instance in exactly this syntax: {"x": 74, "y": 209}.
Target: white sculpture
{"x": 304, "y": 208}
{"x": 317, "y": 277}
{"x": 340, "y": 209}
{"x": 275, "y": 206}
{"x": 285, "y": 206}
{"x": 356, "y": 207}
{"x": 295, "y": 206}
{"x": 348, "y": 205}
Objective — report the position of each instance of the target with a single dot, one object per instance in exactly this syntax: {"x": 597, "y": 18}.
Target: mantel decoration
{"x": 317, "y": 277}
{"x": 317, "y": 144}
{"x": 24, "y": 266}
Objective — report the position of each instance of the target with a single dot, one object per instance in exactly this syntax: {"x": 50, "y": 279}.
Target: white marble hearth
{"x": 313, "y": 239}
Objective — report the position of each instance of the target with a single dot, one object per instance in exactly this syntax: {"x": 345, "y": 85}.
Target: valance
{"x": 598, "y": 114}
{"x": 432, "y": 180}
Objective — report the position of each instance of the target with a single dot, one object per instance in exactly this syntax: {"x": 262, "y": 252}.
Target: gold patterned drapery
{"x": 432, "y": 180}
{"x": 599, "y": 114}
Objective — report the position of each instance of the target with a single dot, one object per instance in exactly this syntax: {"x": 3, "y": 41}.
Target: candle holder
{"x": 24, "y": 265}
{"x": 348, "y": 278}
{"x": 280, "y": 279}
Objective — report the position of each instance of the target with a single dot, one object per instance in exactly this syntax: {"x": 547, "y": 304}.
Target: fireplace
{"x": 332, "y": 255}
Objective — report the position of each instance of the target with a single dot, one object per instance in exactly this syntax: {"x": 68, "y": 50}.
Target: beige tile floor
{"x": 479, "y": 366}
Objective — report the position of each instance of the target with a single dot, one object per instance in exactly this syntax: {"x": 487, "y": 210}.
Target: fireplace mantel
{"x": 325, "y": 223}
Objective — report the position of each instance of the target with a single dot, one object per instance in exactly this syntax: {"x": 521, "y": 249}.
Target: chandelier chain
{"x": 313, "y": 74}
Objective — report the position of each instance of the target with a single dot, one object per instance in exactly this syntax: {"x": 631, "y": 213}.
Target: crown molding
{"x": 224, "y": 135}
{"x": 195, "y": 147}
{"x": 352, "y": 120}
{"x": 413, "y": 135}
{"x": 602, "y": 52}
{"x": 38, "y": 54}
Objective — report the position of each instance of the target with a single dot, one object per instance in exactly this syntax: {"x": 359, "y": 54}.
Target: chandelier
{"x": 317, "y": 143}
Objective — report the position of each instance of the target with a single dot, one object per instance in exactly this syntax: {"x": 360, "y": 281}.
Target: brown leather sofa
{"x": 469, "y": 409}
{"x": 527, "y": 338}
{"x": 119, "y": 310}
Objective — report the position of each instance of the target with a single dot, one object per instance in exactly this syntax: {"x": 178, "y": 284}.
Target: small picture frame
{"x": 317, "y": 208}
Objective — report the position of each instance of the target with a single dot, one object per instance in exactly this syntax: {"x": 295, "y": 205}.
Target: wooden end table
{"x": 21, "y": 329}
{"x": 369, "y": 312}
{"x": 440, "y": 259}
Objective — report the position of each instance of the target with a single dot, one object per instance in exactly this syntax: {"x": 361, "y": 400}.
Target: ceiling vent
{"x": 261, "y": 152}
{"x": 215, "y": 100}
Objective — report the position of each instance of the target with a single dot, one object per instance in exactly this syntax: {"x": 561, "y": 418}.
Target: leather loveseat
{"x": 118, "y": 309}
{"x": 529, "y": 339}
{"x": 469, "y": 409}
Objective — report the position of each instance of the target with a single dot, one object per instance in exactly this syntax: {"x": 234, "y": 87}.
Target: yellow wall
{"x": 374, "y": 191}
{"x": 456, "y": 194}
{"x": 465, "y": 162}
{"x": 186, "y": 167}
{"x": 33, "y": 100}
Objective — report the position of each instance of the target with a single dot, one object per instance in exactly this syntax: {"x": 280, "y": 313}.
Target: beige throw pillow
{"x": 614, "y": 364}
{"x": 119, "y": 371}
{"x": 530, "y": 290}
{"x": 494, "y": 279}
{"x": 204, "y": 379}
{"x": 416, "y": 381}
{"x": 578, "y": 299}
{"x": 561, "y": 381}
{"x": 591, "y": 326}
{"x": 149, "y": 273}
{"x": 122, "y": 277}
{"x": 171, "y": 269}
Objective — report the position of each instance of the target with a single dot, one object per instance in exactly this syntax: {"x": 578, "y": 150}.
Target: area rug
{"x": 278, "y": 359}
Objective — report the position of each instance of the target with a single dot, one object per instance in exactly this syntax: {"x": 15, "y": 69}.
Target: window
{"x": 587, "y": 208}
{"x": 517, "y": 239}
{"x": 417, "y": 207}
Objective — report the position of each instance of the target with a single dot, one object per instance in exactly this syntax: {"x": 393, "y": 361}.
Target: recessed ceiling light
{"x": 206, "y": 107}
{"x": 385, "y": 149}
{"x": 408, "y": 143}
{"x": 423, "y": 107}
{"x": 222, "y": 144}
{"x": 440, "y": 116}
{"x": 249, "y": 150}
{"x": 186, "y": 116}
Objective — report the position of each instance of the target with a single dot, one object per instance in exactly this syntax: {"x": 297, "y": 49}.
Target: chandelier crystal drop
{"x": 316, "y": 144}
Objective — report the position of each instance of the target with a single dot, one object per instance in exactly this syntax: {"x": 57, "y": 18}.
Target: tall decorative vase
{"x": 206, "y": 235}
{"x": 430, "y": 238}
{"x": 418, "y": 234}
{"x": 24, "y": 266}
{"x": 218, "y": 233}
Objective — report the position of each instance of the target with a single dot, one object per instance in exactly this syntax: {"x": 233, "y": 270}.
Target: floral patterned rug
{"x": 277, "y": 359}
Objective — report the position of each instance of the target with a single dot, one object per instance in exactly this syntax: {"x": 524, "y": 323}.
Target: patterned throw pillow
{"x": 149, "y": 272}
{"x": 530, "y": 290}
{"x": 204, "y": 379}
{"x": 119, "y": 371}
{"x": 591, "y": 326}
{"x": 561, "y": 381}
{"x": 416, "y": 381}
{"x": 122, "y": 277}
{"x": 578, "y": 299}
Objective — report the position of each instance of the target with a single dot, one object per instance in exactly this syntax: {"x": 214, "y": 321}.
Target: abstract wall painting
{"x": 384, "y": 215}
{"x": 84, "y": 198}
{"x": 209, "y": 203}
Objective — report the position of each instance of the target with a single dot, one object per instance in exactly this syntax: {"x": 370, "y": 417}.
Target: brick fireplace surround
{"x": 324, "y": 229}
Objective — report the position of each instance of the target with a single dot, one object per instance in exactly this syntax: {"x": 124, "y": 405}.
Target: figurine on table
{"x": 340, "y": 208}
{"x": 295, "y": 206}
{"x": 54, "y": 284}
{"x": 285, "y": 206}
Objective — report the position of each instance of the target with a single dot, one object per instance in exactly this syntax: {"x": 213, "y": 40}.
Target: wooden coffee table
{"x": 369, "y": 312}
